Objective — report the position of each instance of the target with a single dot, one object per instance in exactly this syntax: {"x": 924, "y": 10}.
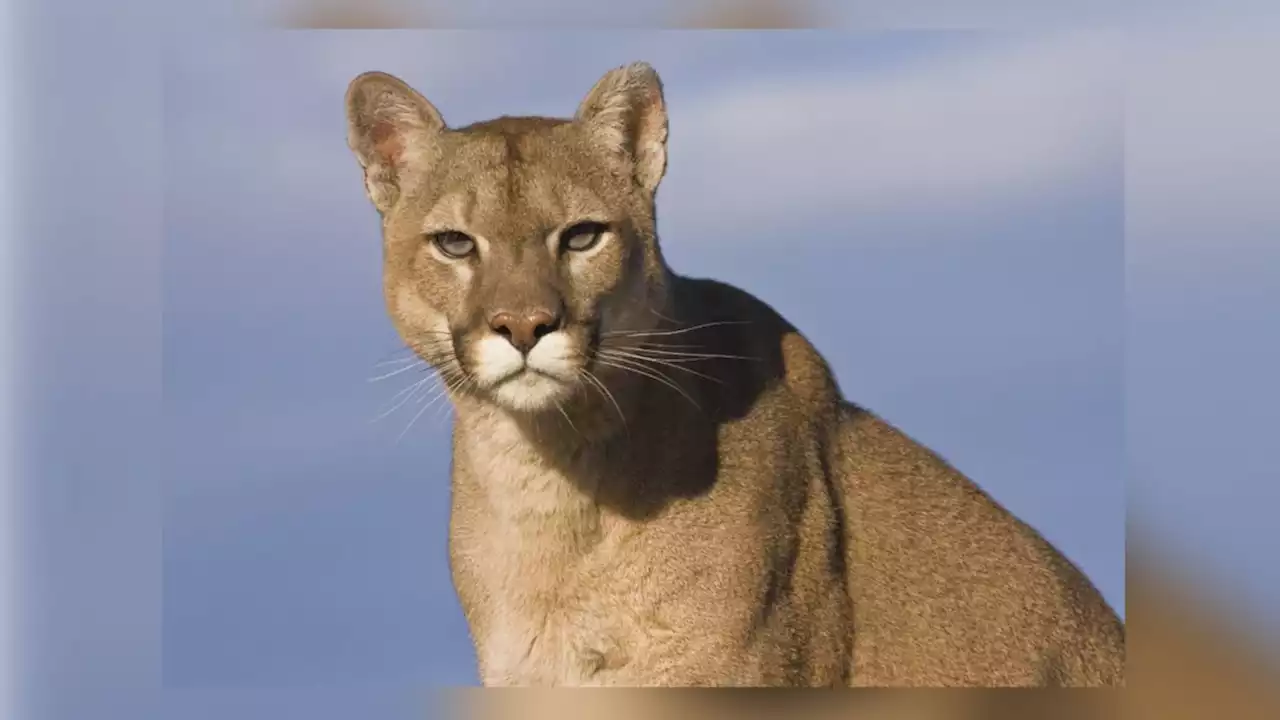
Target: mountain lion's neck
{"x": 607, "y": 452}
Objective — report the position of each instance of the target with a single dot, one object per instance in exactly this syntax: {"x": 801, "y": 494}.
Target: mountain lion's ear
{"x": 626, "y": 112}
{"x": 389, "y": 127}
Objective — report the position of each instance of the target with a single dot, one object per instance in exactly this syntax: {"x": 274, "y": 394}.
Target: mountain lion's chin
{"x": 530, "y": 392}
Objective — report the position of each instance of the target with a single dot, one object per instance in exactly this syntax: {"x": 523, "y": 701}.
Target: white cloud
{"x": 1203, "y": 138}
{"x": 980, "y": 128}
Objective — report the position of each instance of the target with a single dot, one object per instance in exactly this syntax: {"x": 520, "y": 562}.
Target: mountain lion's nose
{"x": 524, "y": 330}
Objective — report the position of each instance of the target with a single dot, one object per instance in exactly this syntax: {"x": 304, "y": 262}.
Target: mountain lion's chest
{"x": 563, "y": 605}
{"x": 562, "y": 594}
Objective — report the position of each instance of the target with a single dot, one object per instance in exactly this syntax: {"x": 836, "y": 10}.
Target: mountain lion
{"x": 656, "y": 480}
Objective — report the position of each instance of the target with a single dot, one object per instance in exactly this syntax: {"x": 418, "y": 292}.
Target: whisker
{"x": 442, "y": 411}
{"x": 432, "y": 338}
{"x": 397, "y": 351}
{"x": 393, "y": 373}
{"x": 689, "y": 355}
{"x": 677, "y": 331}
{"x": 620, "y": 341}
{"x": 405, "y": 431}
{"x": 641, "y": 360}
{"x": 565, "y": 415}
{"x": 456, "y": 381}
{"x": 424, "y": 408}
{"x": 660, "y": 316}
{"x": 397, "y": 361}
{"x": 408, "y": 394}
{"x": 604, "y": 392}
{"x": 438, "y": 391}
{"x": 631, "y": 366}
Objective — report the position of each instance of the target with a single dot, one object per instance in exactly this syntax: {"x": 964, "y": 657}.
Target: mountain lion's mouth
{"x": 529, "y": 389}
{"x": 525, "y": 372}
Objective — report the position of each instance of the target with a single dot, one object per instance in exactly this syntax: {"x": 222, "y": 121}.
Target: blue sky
{"x": 960, "y": 258}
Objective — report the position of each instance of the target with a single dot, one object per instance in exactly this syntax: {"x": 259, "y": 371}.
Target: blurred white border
{"x": 8, "y": 469}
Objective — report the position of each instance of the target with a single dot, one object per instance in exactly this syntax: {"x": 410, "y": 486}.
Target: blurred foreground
{"x": 371, "y": 14}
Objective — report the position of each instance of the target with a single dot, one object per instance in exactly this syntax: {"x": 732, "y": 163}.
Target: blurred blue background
{"x": 208, "y": 505}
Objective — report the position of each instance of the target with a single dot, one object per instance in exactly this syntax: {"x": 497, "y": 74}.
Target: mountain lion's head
{"x": 514, "y": 247}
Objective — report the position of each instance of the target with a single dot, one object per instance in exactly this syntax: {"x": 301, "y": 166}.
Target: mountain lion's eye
{"x": 582, "y": 236}
{"x": 454, "y": 244}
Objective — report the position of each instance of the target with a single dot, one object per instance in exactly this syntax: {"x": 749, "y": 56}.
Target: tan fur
{"x": 674, "y": 491}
